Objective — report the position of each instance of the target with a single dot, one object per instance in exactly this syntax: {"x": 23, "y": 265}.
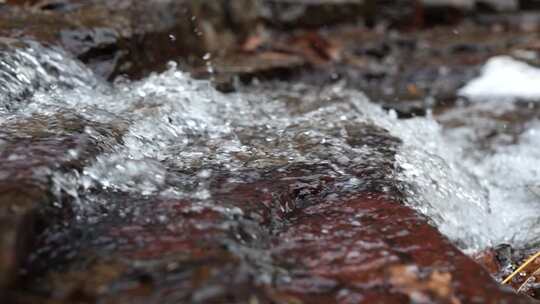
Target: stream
{"x": 131, "y": 154}
{"x": 174, "y": 132}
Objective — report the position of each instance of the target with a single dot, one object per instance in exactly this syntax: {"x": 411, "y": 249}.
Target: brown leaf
{"x": 407, "y": 279}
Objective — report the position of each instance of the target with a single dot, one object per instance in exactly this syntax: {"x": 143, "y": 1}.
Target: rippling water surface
{"x": 168, "y": 135}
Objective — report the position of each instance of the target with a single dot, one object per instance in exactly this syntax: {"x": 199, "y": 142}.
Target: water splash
{"x": 173, "y": 132}
{"x": 27, "y": 68}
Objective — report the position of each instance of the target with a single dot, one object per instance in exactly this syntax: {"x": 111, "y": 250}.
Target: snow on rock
{"x": 504, "y": 78}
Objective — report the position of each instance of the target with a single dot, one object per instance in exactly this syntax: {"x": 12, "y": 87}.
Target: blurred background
{"x": 407, "y": 54}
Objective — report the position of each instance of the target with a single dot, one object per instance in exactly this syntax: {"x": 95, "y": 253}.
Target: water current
{"x": 168, "y": 134}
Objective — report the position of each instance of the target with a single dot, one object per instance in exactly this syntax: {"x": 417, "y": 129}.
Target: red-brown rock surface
{"x": 285, "y": 237}
{"x": 31, "y": 151}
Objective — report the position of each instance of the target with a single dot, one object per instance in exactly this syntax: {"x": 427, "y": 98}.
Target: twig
{"x": 530, "y": 260}
{"x": 537, "y": 271}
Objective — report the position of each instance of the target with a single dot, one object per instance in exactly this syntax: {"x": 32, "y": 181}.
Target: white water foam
{"x": 476, "y": 198}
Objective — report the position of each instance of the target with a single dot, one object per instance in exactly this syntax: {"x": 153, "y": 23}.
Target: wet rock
{"x": 16, "y": 228}
{"x": 401, "y": 265}
{"x": 526, "y": 281}
{"x": 503, "y": 260}
{"x": 489, "y": 259}
{"x": 30, "y": 151}
{"x": 289, "y": 232}
{"x": 321, "y": 251}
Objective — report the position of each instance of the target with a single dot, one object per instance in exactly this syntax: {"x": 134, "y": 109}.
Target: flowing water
{"x": 167, "y": 135}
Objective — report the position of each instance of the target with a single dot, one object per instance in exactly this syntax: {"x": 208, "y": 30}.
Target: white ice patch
{"x": 504, "y": 78}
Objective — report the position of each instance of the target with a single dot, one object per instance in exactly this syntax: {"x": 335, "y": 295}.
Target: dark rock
{"x": 290, "y": 233}
{"x": 326, "y": 251}
{"x": 406, "y": 268}
{"x": 31, "y": 150}
{"x": 16, "y": 230}
{"x": 490, "y": 260}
